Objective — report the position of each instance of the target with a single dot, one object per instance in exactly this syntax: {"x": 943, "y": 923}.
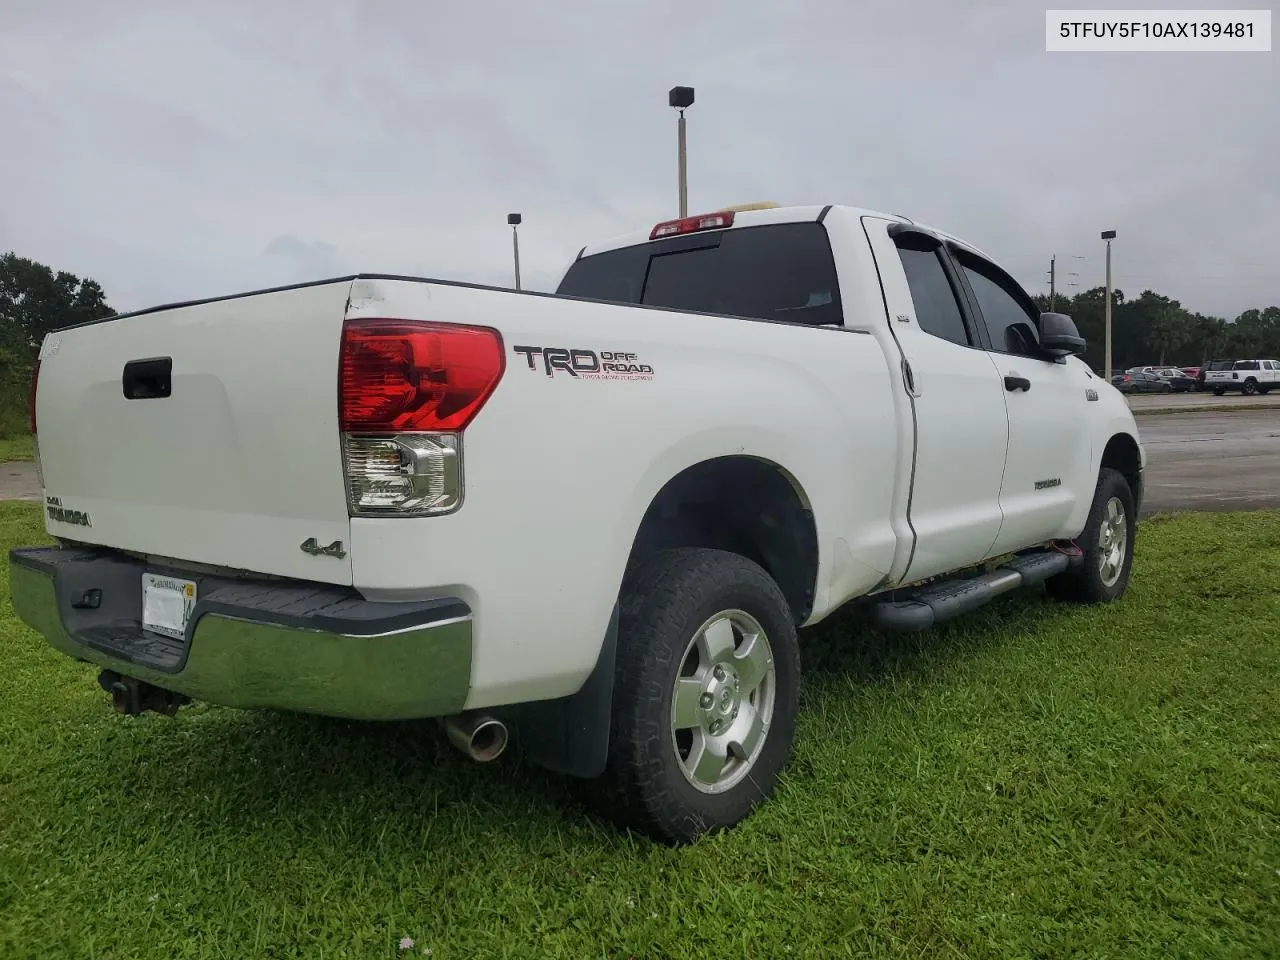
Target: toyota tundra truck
{"x": 588, "y": 522}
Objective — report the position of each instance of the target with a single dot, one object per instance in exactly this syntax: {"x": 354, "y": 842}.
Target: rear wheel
{"x": 1250, "y": 387}
{"x": 1219, "y": 391}
{"x": 705, "y": 695}
{"x": 1107, "y": 542}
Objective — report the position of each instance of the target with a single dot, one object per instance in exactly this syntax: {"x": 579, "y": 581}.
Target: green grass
{"x": 1037, "y": 780}
{"x": 16, "y": 447}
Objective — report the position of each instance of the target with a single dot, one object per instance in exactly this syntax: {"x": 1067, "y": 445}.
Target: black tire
{"x": 664, "y": 605}
{"x": 1086, "y": 582}
{"x": 1250, "y": 387}
{"x": 1219, "y": 391}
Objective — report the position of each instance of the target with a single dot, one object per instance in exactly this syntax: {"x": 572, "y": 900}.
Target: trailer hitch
{"x": 131, "y": 696}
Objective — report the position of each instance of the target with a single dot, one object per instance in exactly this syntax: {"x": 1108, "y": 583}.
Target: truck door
{"x": 1049, "y": 467}
{"x": 961, "y": 427}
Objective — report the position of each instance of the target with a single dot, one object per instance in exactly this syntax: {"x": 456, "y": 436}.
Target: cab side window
{"x": 937, "y": 309}
{"x": 1009, "y": 314}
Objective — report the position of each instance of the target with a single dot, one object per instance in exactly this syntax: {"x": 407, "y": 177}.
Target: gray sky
{"x": 172, "y": 151}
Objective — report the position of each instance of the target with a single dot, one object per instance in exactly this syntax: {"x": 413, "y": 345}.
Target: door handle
{"x": 1015, "y": 382}
{"x": 148, "y": 379}
{"x": 909, "y": 378}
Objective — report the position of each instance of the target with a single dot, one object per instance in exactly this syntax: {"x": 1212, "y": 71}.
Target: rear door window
{"x": 937, "y": 310}
{"x": 782, "y": 272}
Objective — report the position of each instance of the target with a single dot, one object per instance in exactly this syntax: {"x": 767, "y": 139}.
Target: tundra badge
{"x": 61, "y": 514}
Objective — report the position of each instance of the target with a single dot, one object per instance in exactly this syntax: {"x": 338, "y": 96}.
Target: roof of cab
{"x": 758, "y": 215}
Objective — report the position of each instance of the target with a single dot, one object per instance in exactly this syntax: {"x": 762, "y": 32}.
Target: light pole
{"x": 514, "y": 220}
{"x": 1108, "y": 235}
{"x": 682, "y": 98}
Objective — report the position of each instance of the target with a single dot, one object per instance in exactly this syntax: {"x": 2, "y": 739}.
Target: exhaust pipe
{"x": 478, "y": 735}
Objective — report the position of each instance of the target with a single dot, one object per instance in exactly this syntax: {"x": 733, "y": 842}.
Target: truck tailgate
{"x": 235, "y": 463}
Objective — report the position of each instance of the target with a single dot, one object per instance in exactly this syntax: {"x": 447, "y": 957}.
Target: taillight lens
{"x": 406, "y": 474}
{"x": 407, "y": 389}
{"x": 31, "y": 396}
{"x": 405, "y": 375}
{"x": 31, "y": 414}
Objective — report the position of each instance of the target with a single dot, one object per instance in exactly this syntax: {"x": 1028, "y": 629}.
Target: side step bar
{"x": 941, "y": 600}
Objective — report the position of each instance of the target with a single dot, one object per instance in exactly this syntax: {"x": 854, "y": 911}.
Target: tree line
{"x": 1155, "y": 330}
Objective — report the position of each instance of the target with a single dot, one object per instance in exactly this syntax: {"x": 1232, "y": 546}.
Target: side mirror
{"x": 1059, "y": 336}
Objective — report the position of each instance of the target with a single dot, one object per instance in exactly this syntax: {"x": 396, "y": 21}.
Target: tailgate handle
{"x": 148, "y": 379}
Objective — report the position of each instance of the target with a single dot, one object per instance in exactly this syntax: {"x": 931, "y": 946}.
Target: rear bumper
{"x": 276, "y": 644}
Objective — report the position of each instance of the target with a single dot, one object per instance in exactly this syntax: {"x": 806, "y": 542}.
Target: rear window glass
{"x": 782, "y": 272}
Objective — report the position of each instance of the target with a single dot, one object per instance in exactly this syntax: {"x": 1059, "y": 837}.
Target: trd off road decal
{"x": 586, "y": 364}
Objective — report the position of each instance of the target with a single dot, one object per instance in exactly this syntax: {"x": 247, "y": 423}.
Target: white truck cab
{"x": 596, "y": 518}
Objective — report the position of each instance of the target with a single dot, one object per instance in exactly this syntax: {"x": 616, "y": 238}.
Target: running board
{"x": 943, "y": 599}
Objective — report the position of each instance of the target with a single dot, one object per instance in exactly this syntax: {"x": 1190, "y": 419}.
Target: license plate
{"x": 167, "y": 603}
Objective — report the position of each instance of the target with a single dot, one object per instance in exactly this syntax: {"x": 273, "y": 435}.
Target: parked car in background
{"x": 1210, "y": 366}
{"x": 1250, "y": 377}
{"x": 1197, "y": 380}
{"x": 1139, "y": 382}
{"x": 1180, "y": 381}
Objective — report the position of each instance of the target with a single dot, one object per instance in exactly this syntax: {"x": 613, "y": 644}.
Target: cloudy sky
{"x": 177, "y": 150}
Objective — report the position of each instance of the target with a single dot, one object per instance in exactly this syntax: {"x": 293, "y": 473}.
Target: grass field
{"x": 18, "y": 446}
{"x": 1035, "y": 781}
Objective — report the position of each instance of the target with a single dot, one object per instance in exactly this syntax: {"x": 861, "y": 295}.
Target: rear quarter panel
{"x": 559, "y": 470}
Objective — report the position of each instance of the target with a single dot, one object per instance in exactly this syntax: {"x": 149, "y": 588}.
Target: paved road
{"x": 1212, "y": 461}
{"x": 1140, "y": 402}
{"x": 1195, "y": 461}
{"x": 18, "y": 481}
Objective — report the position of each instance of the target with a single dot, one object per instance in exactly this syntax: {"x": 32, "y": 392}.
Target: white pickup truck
{"x": 1250, "y": 377}
{"x": 592, "y": 520}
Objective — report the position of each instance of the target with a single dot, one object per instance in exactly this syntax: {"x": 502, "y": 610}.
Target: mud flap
{"x": 570, "y": 735}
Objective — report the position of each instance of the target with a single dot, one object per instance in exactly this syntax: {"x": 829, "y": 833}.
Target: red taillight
{"x": 31, "y": 397}
{"x": 402, "y": 376}
{"x": 705, "y": 221}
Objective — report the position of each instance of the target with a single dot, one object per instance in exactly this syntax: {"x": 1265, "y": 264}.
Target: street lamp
{"x": 514, "y": 220}
{"x": 682, "y": 98}
{"x": 1108, "y": 235}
